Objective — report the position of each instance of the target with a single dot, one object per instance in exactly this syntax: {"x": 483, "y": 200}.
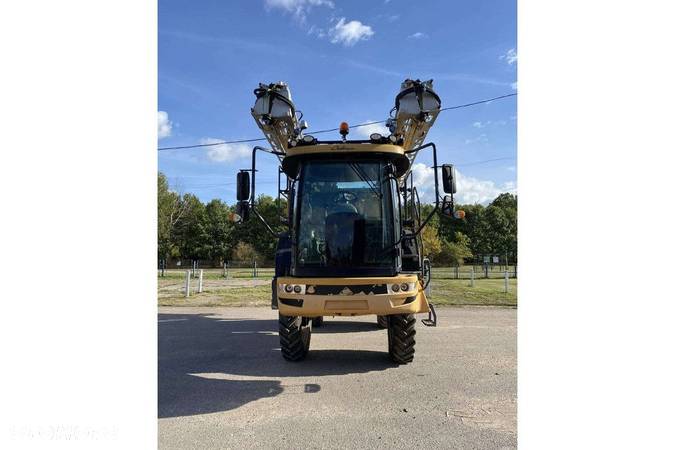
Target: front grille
{"x": 354, "y": 289}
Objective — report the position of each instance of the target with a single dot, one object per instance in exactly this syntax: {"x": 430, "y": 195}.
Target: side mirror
{"x": 243, "y": 187}
{"x": 449, "y": 179}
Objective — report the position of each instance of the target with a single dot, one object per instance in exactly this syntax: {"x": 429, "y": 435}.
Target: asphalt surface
{"x": 224, "y": 384}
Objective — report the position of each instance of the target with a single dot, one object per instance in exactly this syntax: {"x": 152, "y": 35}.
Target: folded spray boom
{"x": 415, "y": 110}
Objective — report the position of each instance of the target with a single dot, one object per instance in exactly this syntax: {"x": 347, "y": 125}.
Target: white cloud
{"x": 470, "y": 190}
{"x": 349, "y": 33}
{"x": 481, "y": 139}
{"x": 299, "y": 8}
{"x": 226, "y": 152}
{"x": 367, "y": 130}
{"x": 318, "y": 31}
{"x": 164, "y": 125}
{"x": 418, "y": 35}
{"x": 510, "y": 56}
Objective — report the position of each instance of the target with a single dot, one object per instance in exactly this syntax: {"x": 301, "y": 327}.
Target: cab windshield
{"x": 345, "y": 215}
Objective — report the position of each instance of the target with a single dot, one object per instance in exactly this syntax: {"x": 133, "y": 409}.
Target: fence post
{"x": 486, "y": 271}
{"x": 506, "y": 281}
{"x": 255, "y": 268}
{"x": 225, "y": 269}
{"x": 456, "y": 272}
{"x": 472, "y": 275}
{"x": 187, "y": 283}
{"x": 201, "y": 280}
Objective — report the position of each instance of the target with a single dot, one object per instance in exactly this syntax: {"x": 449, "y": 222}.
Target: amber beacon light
{"x": 344, "y": 129}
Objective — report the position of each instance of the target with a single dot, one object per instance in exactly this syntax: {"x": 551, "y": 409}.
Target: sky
{"x": 343, "y": 61}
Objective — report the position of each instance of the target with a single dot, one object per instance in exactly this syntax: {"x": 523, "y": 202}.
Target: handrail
{"x": 436, "y": 205}
{"x": 252, "y": 198}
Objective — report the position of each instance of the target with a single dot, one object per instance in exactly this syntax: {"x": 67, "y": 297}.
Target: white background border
{"x": 78, "y": 114}
{"x": 78, "y": 182}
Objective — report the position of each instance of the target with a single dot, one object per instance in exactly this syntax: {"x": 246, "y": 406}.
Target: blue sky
{"x": 343, "y": 60}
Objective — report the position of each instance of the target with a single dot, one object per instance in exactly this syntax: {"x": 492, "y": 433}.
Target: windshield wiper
{"x": 371, "y": 184}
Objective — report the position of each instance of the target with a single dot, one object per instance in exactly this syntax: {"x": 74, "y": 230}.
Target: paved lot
{"x": 223, "y": 383}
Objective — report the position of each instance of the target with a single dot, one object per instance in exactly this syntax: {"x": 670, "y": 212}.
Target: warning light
{"x": 344, "y": 129}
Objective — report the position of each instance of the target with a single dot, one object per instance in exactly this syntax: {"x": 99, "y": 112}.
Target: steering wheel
{"x": 346, "y": 196}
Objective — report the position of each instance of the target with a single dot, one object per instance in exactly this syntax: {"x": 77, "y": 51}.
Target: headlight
{"x": 294, "y": 288}
{"x": 395, "y": 288}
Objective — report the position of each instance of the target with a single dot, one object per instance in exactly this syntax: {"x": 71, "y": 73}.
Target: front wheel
{"x": 295, "y": 333}
{"x": 382, "y": 321}
{"x": 401, "y": 333}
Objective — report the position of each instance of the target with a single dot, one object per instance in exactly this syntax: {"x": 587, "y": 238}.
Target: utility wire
{"x": 241, "y": 141}
{"x": 484, "y": 161}
{"x": 232, "y": 183}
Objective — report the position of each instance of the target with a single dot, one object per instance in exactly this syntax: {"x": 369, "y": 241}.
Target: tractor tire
{"x": 295, "y": 333}
{"x": 317, "y": 321}
{"x": 382, "y": 322}
{"x": 401, "y": 333}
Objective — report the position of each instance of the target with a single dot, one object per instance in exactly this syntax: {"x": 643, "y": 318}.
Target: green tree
{"x": 505, "y": 201}
{"x": 244, "y": 252}
{"x": 491, "y": 230}
{"x": 191, "y": 233}
{"x": 454, "y": 253}
{"x": 502, "y": 220}
{"x": 431, "y": 242}
{"x": 219, "y": 228}
{"x": 170, "y": 210}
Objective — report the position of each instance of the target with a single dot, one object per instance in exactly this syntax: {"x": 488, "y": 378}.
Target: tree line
{"x": 191, "y": 230}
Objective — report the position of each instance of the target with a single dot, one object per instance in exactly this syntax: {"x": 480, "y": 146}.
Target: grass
{"x": 239, "y": 296}
{"x": 217, "y": 274}
{"x": 484, "y": 292}
{"x": 221, "y": 292}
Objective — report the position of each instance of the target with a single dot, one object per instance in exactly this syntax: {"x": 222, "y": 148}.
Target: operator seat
{"x": 341, "y": 230}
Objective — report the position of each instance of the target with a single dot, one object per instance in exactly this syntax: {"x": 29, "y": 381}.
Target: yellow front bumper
{"x": 312, "y": 305}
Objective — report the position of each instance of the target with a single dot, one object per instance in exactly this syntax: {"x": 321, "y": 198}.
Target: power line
{"x": 217, "y": 185}
{"x": 474, "y": 163}
{"x": 242, "y": 141}
{"x": 181, "y": 147}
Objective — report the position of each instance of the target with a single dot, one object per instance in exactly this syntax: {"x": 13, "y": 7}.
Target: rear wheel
{"x": 317, "y": 321}
{"x": 401, "y": 333}
{"x": 382, "y": 321}
{"x": 295, "y": 333}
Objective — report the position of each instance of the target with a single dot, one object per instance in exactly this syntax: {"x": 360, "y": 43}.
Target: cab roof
{"x": 349, "y": 151}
